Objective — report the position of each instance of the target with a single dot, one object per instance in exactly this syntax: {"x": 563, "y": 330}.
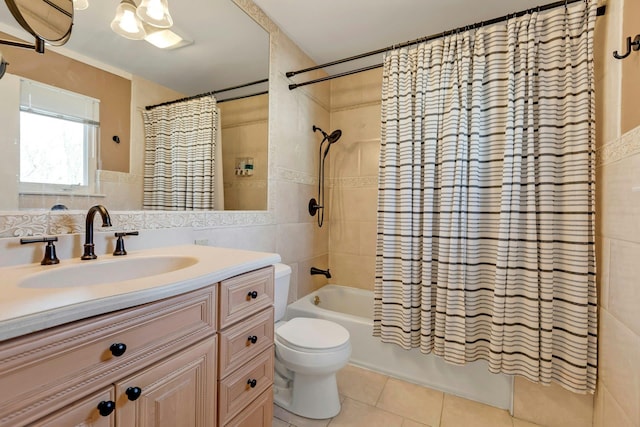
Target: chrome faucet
{"x": 88, "y": 236}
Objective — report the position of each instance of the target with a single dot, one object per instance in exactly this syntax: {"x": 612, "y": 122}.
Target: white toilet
{"x": 309, "y": 352}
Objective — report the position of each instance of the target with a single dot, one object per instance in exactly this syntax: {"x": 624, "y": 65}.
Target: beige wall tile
{"x": 612, "y": 414}
{"x": 603, "y": 259}
{"x": 357, "y": 124}
{"x": 368, "y": 237}
{"x": 353, "y": 270}
{"x": 624, "y": 297}
{"x": 411, "y": 401}
{"x": 457, "y": 411}
{"x": 620, "y": 206}
{"x": 357, "y": 89}
{"x": 358, "y": 414}
{"x": 618, "y": 364}
{"x": 298, "y": 241}
{"x": 360, "y": 384}
{"x": 344, "y": 237}
{"x": 551, "y": 406}
{"x": 598, "y": 405}
{"x": 308, "y": 283}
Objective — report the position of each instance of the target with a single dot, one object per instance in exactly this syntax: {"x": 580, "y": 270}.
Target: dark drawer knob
{"x": 252, "y": 295}
{"x": 252, "y": 383}
{"x": 252, "y": 339}
{"x": 133, "y": 393}
{"x": 118, "y": 349}
{"x": 106, "y": 407}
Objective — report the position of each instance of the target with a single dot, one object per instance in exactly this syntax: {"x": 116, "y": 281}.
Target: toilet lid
{"x": 313, "y": 334}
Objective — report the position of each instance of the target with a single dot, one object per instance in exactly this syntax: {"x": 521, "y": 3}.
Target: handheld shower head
{"x": 332, "y": 139}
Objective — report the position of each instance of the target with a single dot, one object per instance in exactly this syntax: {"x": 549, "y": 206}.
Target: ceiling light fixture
{"x": 126, "y": 22}
{"x": 155, "y": 12}
{"x": 164, "y": 38}
{"x": 149, "y": 21}
{"x": 80, "y": 4}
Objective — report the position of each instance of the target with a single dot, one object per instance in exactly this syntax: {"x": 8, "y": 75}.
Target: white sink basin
{"x": 90, "y": 273}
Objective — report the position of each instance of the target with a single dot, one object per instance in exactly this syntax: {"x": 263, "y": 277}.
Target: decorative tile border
{"x": 354, "y": 182}
{"x": 36, "y": 223}
{"x": 298, "y": 177}
{"x": 621, "y": 148}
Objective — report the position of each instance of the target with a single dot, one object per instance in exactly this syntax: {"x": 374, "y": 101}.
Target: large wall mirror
{"x": 223, "y": 48}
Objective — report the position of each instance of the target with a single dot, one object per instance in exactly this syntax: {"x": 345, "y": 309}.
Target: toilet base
{"x": 310, "y": 396}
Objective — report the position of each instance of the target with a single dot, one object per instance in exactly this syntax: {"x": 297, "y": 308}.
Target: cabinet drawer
{"x": 235, "y": 391}
{"x": 237, "y": 344}
{"x": 67, "y": 360}
{"x": 244, "y": 295}
{"x": 258, "y": 414}
{"x": 82, "y": 413}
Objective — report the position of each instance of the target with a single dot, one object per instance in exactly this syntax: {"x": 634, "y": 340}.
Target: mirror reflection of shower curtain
{"x": 218, "y": 192}
{"x": 180, "y": 151}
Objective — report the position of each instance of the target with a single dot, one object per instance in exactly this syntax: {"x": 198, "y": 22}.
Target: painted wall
{"x": 112, "y": 90}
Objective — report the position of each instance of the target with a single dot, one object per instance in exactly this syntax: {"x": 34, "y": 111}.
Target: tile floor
{"x": 370, "y": 399}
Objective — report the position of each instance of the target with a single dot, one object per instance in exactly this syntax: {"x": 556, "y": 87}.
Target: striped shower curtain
{"x": 486, "y": 198}
{"x": 180, "y": 146}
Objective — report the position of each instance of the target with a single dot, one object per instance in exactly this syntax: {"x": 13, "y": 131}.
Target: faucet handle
{"x": 50, "y": 257}
{"x": 120, "y": 242}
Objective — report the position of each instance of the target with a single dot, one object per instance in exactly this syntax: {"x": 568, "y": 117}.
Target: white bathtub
{"x": 353, "y": 309}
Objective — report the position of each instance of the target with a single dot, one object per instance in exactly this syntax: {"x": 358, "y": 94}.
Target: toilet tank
{"x": 282, "y": 276}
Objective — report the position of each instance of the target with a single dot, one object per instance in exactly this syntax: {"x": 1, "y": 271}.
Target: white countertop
{"x": 24, "y": 310}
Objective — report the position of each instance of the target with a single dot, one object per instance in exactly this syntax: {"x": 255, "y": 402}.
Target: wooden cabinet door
{"x": 179, "y": 391}
{"x": 83, "y": 413}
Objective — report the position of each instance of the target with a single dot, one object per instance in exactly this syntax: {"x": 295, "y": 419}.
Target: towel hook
{"x": 631, "y": 45}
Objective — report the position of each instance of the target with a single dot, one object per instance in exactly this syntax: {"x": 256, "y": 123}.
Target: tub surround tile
{"x": 624, "y": 298}
{"x": 412, "y": 401}
{"x": 361, "y": 384}
{"x": 618, "y": 364}
{"x": 551, "y": 406}
{"x": 358, "y": 414}
{"x": 457, "y": 411}
{"x": 613, "y": 414}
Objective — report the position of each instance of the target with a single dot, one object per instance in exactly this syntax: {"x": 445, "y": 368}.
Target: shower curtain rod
{"x": 600, "y": 11}
{"x": 200, "y": 95}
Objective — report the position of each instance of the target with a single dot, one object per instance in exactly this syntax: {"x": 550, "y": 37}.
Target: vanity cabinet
{"x": 161, "y": 364}
{"x": 246, "y": 357}
{"x": 59, "y": 370}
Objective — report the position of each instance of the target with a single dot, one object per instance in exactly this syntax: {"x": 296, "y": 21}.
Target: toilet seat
{"x": 312, "y": 335}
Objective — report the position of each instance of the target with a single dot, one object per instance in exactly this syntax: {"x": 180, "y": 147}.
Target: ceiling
{"x": 230, "y": 48}
{"x": 328, "y": 30}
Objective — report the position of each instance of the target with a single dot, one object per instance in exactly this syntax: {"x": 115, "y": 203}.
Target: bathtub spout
{"x": 326, "y": 272}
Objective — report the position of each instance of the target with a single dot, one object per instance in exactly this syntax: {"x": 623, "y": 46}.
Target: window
{"x": 58, "y": 137}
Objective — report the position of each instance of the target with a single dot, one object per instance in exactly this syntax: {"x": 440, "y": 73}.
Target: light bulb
{"x": 80, "y": 4}
{"x": 126, "y": 22}
{"x": 155, "y": 13}
{"x": 155, "y": 9}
